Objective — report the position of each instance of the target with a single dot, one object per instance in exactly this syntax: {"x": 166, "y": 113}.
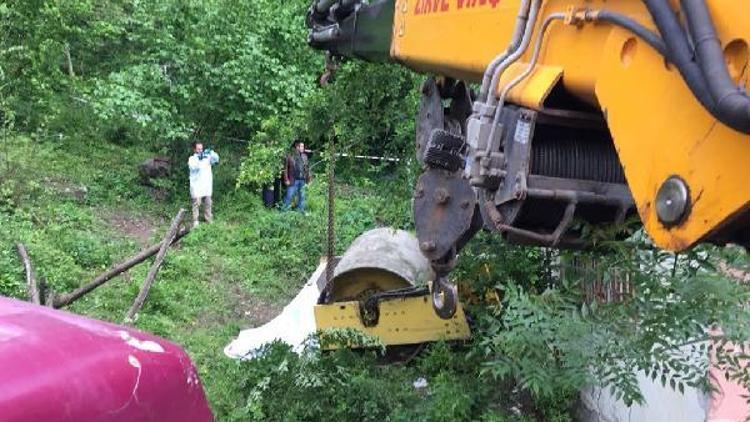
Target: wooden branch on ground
{"x": 31, "y": 284}
{"x": 141, "y": 298}
{"x": 66, "y": 299}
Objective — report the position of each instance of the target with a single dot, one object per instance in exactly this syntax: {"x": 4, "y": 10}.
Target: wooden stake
{"x": 67, "y": 299}
{"x": 49, "y": 301}
{"x": 32, "y": 285}
{"x": 141, "y": 298}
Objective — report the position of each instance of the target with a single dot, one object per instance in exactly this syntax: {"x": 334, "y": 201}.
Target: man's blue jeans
{"x": 297, "y": 187}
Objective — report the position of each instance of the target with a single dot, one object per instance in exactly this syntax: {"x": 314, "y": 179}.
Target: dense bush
{"x": 550, "y": 338}
{"x": 368, "y": 111}
{"x": 442, "y": 384}
{"x": 150, "y": 72}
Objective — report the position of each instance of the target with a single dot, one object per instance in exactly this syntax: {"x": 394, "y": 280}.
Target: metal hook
{"x": 444, "y": 298}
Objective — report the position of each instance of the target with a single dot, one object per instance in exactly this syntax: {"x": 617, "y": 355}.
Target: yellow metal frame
{"x": 659, "y": 128}
{"x": 402, "y": 321}
{"x": 533, "y": 90}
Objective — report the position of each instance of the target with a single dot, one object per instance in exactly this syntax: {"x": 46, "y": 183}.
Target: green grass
{"x": 226, "y": 276}
{"x": 251, "y": 257}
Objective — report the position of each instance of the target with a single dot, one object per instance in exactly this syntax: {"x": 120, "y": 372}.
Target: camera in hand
{"x": 206, "y": 153}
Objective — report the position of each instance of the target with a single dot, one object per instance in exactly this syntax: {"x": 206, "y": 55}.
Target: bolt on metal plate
{"x": 672, "y": 201}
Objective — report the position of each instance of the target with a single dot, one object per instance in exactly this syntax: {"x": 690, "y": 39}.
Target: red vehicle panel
{"x": 56, "y": 366}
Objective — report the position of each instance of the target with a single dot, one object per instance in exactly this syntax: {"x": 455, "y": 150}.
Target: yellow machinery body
{"x": 658, "y": 127}
{"x": 588, "y": 111}
{"x": 386, "y": 261}
{"x": 402, "y": 321}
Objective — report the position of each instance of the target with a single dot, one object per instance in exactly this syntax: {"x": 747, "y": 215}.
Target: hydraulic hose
{"x": 529, "y": 68}
{"x": 617, "y": 19}
{"x": 322, "y": 6}
{"x": 492, "y": 145}
{"x": 325, "y": 35}
{"x": 510, "y": 59}
{"x": 343, "y": 8}
{"x": 515, "y": 39}
{"x": 653, "y": 39}
{"x": 327, "y": 12}
{"x": 732, "y": 103}
{"x": 680, "y": 52}
{"x": 647, "y": 35}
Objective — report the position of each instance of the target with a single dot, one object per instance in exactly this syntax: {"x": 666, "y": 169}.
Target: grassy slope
{"x": 225, "y": 276}
{"x": 235, "y": 273}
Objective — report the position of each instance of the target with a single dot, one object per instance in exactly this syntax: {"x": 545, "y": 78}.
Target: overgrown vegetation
{"x": 554, "y": 338}
{"x": 88, "y": 90}
{"x": 230, "y": 274}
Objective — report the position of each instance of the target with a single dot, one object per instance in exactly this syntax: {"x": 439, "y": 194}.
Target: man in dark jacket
{"x": 296, "y": 175}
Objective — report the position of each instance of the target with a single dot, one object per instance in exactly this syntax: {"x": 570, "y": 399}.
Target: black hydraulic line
{"x": 731, "y": 101}
{"x": 318, "y": 12}
{"x": 653, "y": 39}
{"x": 352, "y": 28}
{"x": 322, "y": 6}
{"x": 326, "y": 35}
{"x": 680, "y": 52}
{"x": 347, "y": 4}
{"x": 343, "y": 9}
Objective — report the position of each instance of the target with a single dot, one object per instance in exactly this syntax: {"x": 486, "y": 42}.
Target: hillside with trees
{"x": 89, "y": 90}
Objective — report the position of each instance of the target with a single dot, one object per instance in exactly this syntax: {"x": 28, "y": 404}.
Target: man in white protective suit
{"x": 202, "y": 180}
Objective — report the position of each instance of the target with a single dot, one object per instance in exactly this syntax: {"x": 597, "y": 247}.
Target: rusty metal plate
{"x": 443, "y": 209}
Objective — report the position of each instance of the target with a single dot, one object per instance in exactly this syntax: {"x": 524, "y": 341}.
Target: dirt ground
{"x": 245, "y": 308}
{"x": 137, "y": 227}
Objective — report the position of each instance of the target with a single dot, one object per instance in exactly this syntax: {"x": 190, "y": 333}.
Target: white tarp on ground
{"x": 292, "y": 326}
{"x": 662, "y": 404}
{"x": 727, "y": 404}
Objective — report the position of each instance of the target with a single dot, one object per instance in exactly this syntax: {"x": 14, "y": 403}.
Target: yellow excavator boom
{"x": 659, "y": 128}
{"x": 566, "y": 110}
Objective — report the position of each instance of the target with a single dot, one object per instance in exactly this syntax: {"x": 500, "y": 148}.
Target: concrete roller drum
{"x": 373, "y": 269}
{"x": 379, "y": 260}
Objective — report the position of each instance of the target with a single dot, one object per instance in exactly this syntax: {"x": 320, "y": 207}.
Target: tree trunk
{"x": 69, "y": 60}
{"x": 67, "y": 299}
{"x": 141, "y": 298}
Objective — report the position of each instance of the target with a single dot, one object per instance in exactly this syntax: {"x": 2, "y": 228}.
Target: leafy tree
{"x": 369, "y": 110}
{"x": 153, "y": 71}
{"x": 680, "y": 309}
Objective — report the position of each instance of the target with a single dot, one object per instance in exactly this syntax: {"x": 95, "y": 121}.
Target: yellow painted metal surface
{"x": 457, "y": 42}
{"x": 461, "y": 40}
{"x": 658, "y": 127}
{"x": 668, "y": 133}
{"x": 532, "y": 91}
{"x": 402, "y": 321}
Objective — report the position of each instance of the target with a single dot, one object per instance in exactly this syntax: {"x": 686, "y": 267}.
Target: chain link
{"x": 331, "y": 241}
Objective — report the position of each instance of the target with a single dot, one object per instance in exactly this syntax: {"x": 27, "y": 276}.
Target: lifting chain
{"x": 331, "y": 240}
{"x": 325, "y": 79}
